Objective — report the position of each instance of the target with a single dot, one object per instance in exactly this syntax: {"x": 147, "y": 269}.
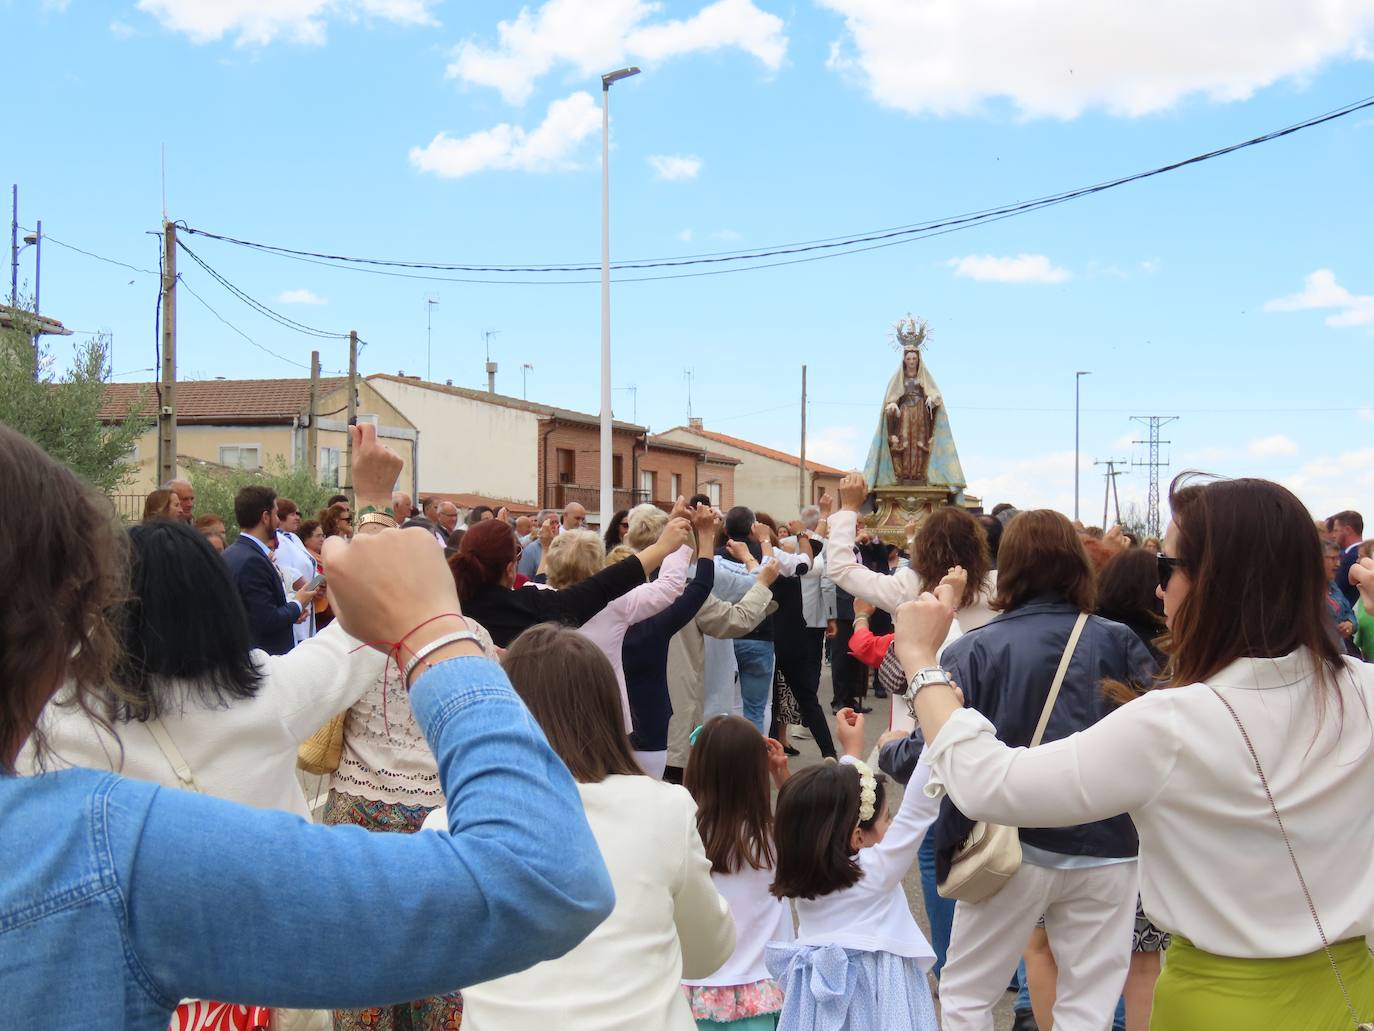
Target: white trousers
{"x": 1089, "y": 917}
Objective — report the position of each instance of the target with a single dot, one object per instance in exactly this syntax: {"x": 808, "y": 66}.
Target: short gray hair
{"x": 646, "y": 524}
{"x": 811, "y": 517}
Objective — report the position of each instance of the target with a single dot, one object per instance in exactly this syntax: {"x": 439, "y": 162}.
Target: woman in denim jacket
{"x": 118, "y": 898}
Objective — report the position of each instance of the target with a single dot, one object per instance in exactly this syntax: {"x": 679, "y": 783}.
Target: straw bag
{"x": 321, "y": 751}
{"x": 991, "y": 854}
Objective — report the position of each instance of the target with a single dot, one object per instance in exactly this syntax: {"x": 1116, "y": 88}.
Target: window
{"x": 617, "y": 470}
{"x": 676, "y": 491}
{"x": 567, "y": 465}
{"x": 713, "y": 492}
{"x": 241, "y": 456}
{"x": 329, "y": 466}
{"x": 647, "y": 484}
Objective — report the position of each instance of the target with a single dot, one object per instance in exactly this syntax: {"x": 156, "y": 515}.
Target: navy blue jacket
{"x": 1349, "y": 556}
{"x": 270, "y": 616}
{"x": 1005, "y": 670}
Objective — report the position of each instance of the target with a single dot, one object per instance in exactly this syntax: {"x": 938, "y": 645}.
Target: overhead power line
{"x": 732, "y": 261}
{"x": 48, "y": 238}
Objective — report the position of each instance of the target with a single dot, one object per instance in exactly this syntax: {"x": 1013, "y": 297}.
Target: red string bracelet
{"x": 393, "y": 654}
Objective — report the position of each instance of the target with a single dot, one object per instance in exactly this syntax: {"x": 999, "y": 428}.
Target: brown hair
{"x": 818, "y": 810}
{"x": 64, "y": 577}
{"x": 484, "y": 554}
{"x": 1041, "y": 553}
{"x": 1126, "y": 588}
{"x": 568, "y": 685}
{"x": 952, "y": 537}
{"x": 1257, "y": 586}
{"x": 727, "y": 775}
{"x": 155, "y": 504}
{"x": 286, "y": 508}
{"x": 332, "y": 519}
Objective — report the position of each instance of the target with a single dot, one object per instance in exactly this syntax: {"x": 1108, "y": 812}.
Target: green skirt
{"x": 1198, "y": 991}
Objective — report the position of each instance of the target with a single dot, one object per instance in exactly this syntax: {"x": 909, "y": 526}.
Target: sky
{"x": 1236, "y": 294}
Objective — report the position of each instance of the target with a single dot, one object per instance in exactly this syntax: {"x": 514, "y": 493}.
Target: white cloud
{"x": 1332, "y": 483}
{"x": 1024, "y": 268}
{"x": 263, "y": 21}
{"x": 548, "y": 147}
{"x": 1150, "y": 266}
{"x": 122, "y": 30}
{"x": 725, "y": 234}
{"x": 675, "y": 166}
{"x": 595, "y": 37}
{"x": 1320, "y": 292}
{"x": 300, "y": 297}
{"x": 1366, "y": 414}
{"x": 1276, "y": 446}
{"x": 1059, "y": 58}
{"x": 686, "y": 236}
{"x": 839, "y": 446}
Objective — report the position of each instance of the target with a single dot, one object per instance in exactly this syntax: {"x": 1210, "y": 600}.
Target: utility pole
{"x": 487, "y": 334}
{"x": 352, "y": 401}
{"x": 801, "y": 465}
{"x": 1154, "y": 423}
{"x": 1110, "y": 490}
{"x": 14, "y": 247}
{"x": 687, "y": 375}
{"x": 525, "y": 369}
{"x": 312, "y": 430}
{"x": 167, "y": 383}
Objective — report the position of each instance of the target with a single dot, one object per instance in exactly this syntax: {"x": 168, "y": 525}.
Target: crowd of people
{"x": 558, "y": 778}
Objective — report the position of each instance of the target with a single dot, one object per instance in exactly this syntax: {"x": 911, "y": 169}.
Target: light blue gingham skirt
{"x": 830, "y": 988}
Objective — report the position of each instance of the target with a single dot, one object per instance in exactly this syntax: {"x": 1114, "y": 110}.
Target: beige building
{"x": 257, "y": 423}
{"x": 767, "y": 480}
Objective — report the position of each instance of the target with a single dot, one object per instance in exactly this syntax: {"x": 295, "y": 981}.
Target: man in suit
{"x": 271, "y": 616}
{"x": 1348, "y": 529}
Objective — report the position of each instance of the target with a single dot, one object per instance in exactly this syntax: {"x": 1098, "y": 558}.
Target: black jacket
{"x": 271, "y": 618}
{"x": 1005, "y": 670}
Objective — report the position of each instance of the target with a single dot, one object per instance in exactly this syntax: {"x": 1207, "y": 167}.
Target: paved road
{"x": 876, "y": 723}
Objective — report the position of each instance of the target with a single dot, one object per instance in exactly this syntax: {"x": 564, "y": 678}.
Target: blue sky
{"x": 1237, "y": 295}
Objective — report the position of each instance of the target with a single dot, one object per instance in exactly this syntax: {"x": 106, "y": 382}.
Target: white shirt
{"x": 818, "y": 591}
{"x": 246, "y": 751}
{"x": 668, "y": 923}
{"x": 873, "y": 914}
{"x": 295, "y": 560}
{"x": 759, "y": 919}
{"x": 1213, "y": 865}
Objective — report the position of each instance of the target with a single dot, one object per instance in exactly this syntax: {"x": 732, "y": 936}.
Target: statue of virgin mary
{"x": 913, "y": 444}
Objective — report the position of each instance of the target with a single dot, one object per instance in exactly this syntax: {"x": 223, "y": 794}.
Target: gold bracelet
{"x": 381, "y": 519}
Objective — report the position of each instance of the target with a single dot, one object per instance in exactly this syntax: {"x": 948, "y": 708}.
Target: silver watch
{"x": 926, "y": 677}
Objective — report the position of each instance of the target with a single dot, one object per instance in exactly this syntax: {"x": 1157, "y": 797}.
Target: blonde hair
{"x": 646, "y": 524}
{"x": 619, "y": 552}
{"x": 573, "y": 556}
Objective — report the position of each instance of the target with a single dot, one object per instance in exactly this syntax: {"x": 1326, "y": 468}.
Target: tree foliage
{"x": 62, "y": 415}
{"x": 216, "y": 486}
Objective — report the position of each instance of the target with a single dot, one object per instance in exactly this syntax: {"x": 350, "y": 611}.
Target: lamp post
{"x": 607, "y": 501}
{"x": 524, "y": 385}
{"x": 1077, "y": 379}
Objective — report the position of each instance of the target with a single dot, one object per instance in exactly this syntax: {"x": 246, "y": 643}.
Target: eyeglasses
{"x": 1167, "y": 566}
{"x": 625, "y": 525}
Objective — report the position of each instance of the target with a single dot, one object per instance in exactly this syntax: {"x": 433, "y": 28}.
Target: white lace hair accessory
{"x": 868, "y": 790}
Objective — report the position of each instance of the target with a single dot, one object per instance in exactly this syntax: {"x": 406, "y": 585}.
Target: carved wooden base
{"x": 894, "y": 507}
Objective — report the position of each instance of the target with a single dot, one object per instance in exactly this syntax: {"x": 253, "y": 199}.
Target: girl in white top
{"x": 668, "y": 922}
{"x": 1244, "y": 597}
{"x": 860, "y": 961}
{"x": 727, "y": 774}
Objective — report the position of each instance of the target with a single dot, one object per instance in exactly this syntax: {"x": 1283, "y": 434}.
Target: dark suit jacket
{"x": 270, "y": 616}
{"x": 1349, "y": 556}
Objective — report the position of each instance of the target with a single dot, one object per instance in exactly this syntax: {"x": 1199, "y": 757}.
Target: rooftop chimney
{"x": 694, "y": 422}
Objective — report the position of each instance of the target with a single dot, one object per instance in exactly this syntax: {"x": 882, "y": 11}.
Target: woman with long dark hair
{"x": 1246, "y": 772}
{"x": 617, "y": 530}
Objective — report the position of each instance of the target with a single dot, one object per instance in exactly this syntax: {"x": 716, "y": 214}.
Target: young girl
{"x": 859, "y": 961}
{"x": 727, "y": 774}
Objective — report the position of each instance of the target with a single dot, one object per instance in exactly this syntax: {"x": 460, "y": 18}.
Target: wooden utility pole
{"x": 167, "y": 381}
{"x": 801, "y": 470}
{"x": 352, "y": 403}
{"x": 312, "y": 429}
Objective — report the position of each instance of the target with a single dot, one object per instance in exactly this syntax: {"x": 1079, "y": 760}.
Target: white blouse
{"x": 759, "y": 919}
{"x": 668, "y": 923}
{"x": 244, "y": 751}
{"x": 873, "y": 914}
{"x": 1213, "y": 865}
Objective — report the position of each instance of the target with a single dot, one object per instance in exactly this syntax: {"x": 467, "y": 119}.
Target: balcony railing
{"x": 561, "y": 495}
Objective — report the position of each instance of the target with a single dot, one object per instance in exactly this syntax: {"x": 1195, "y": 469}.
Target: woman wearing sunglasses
{"x": 1247, "y": 772}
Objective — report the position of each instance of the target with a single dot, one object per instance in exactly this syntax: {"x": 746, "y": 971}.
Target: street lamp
{"x": 1077, "y": 379}
{"x": 524, "y": 385}
{"x": 607, "y": 501}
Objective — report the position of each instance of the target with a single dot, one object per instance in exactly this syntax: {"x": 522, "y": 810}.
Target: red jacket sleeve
{"x": 868, "y": 648}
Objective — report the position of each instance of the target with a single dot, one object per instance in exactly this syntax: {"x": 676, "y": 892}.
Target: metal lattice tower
{"x": 1154, "y": 423}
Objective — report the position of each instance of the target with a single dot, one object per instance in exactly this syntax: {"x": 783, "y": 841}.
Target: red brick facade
{"x": 575, "y": 475}
{"x": 698, "y": 471}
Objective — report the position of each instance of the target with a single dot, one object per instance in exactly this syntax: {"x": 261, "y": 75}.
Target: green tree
{"x": 216, "y": 486}
{"x": 62, "y": 415}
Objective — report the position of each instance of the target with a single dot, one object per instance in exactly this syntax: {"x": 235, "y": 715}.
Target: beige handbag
{"x": 321, "y": 751}
{"x": 991, "y": 854}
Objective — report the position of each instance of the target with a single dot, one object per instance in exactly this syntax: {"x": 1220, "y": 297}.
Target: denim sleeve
{"x": 226, "y": 902}
{"x": 898, "y": 758}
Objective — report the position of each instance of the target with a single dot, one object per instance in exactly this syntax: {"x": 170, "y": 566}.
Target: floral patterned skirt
{"x": 726, "y": 1004}
{"x": 439, "y": 1013}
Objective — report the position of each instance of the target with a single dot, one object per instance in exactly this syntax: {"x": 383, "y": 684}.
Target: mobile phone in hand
{"x": 315, "y": 583}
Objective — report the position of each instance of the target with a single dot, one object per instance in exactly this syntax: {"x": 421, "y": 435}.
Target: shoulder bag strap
{"x": 173, "y": 755}
{"x": 1311, "y": 906}
{"x": 1059, "y": 678}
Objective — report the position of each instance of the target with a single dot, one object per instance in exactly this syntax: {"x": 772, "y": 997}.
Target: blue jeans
{"x": 755, "y": 660}
{"x": 939, "y": 911}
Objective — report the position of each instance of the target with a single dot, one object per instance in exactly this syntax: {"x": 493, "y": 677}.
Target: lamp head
{"x": 30, "y": 238}
{"x": 616, "y": 76}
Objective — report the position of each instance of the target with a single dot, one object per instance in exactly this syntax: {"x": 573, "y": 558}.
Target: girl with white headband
{"x": 859, "y": 961}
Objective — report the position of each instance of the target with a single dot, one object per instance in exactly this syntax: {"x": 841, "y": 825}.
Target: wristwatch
{"x": 926, "y": 677}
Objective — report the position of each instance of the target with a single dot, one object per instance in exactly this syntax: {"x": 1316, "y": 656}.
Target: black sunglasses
{"x": 1167, "y": 566}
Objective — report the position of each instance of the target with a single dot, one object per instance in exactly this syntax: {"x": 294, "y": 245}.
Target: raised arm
{"x": 729, "y": 621}
{"x": 845, "y": 571}
{"x": 653, "y": 597}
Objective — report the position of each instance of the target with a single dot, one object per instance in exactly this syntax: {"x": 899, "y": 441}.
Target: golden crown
{"x": 909, "y": 334}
